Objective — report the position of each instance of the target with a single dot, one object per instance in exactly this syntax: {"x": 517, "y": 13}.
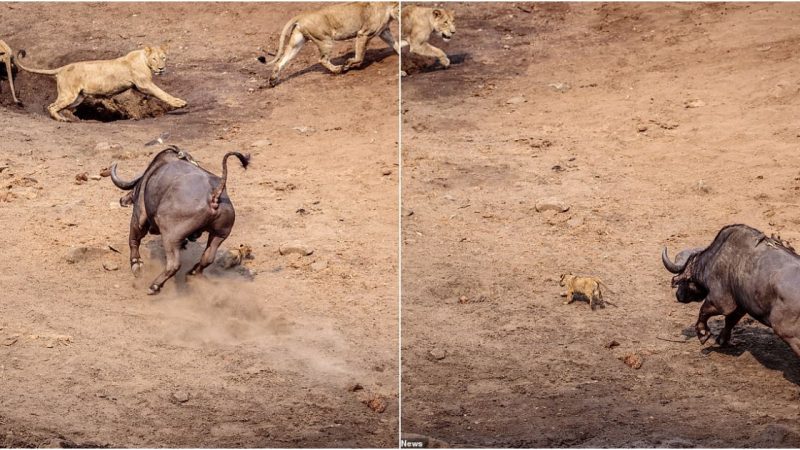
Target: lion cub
{"x": 234, "y": 257}
{"x": 589, "y": 287}
{"x": 106, "y": 78}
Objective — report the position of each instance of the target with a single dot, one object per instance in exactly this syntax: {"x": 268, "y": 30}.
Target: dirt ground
{"x": 657, "y": 124}
{"x": 86, "y": 357}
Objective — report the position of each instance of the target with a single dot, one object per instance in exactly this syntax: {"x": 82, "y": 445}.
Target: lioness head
{"x": 156, "y": 59}
{"x": 444, "y": 23}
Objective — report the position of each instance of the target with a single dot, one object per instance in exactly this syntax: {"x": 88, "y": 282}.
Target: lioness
{"x": 418, "y": 24}
{"x": 358, "y": 20}
{"x": 589, "y": 287}
{"x": 106, "y": 78}
{"x": 5, "y": 57}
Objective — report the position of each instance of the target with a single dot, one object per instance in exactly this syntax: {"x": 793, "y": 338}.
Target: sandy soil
{"x": 86, "y": 358}
{"x": 677, "y": 119}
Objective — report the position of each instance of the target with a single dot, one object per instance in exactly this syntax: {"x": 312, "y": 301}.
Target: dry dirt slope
{"x": 219, "y": 362}
{"x": 658, "y": 124}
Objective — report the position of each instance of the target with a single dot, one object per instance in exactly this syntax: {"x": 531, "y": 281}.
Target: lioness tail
{"x": 18, "y": 61}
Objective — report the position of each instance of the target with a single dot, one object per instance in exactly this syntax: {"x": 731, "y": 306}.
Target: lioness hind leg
{"x": 296, "y": 41}
{"x": 65, "y": 99}
{"x": 325, "y": 49}
{"x": 360, "y": 49}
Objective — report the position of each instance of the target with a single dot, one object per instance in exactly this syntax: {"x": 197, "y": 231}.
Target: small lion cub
{"x": 589, "y": 287}
{"x": 234, "y": 257}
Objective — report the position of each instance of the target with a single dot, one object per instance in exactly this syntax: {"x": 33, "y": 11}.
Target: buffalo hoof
{"x": 136, "y": 268}
{"x": 154, "y": 289}
{"x": 703, "y": 336}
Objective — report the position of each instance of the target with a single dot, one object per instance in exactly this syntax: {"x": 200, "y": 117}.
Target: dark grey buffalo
{"x": 742, "y": 272}
{"x": 179, "y": 200}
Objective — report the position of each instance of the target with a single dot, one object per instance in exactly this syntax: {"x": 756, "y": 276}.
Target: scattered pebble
{"x": 295, "y": 247}
{"x": 612, "y": 344}
{"x": 81, "y": 177}
{"x": 109, "y": 266}
{"x": 551, "y": 204}
{"x": 437, "y": 354}
{"x": 633, "y": 360}
{"x": 641, "y": 128}
{"x": 560, "y": 87}
{"x": 694, "y": 104}
{"x": 376, "y": 403}
{"x": 355, "y": 387}
{"x": 180, "y": 396}
{"x": 515, "y": 100}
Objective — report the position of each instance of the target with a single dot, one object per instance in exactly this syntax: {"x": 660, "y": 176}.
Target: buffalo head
{"x": 689, "y": 287}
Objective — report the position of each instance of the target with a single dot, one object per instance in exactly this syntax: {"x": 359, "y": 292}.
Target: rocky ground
{"x": 287, "y": 351}
{"x": 655, "y": 124}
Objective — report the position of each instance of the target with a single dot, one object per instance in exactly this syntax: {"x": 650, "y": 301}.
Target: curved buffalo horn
{"x": 122, "y": 184}
{"x": 680, "y": 259}
{"x": 673, "y": 267}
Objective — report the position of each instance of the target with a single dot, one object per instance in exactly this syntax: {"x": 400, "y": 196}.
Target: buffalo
{"x": 180, "y": 200}
{"x": 743, "y": 271}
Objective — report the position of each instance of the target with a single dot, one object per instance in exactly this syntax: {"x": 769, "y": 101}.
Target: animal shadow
{"x": 424, "y": 64}
{"x": 370, "y": 57}
{"x": 748, "y": 336}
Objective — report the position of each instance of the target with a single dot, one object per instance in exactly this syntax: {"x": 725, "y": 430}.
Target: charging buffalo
{"x": 180, "y": 200}
{"x": 742, "y": 272}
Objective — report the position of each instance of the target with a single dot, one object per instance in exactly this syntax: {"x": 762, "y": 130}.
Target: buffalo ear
{"x": 437, "y": 13}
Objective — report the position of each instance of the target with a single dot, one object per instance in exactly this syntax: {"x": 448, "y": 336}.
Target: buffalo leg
{"x": 137, "y": 233}
{"x": 209, "y": 254}
{"x": 707, "y": 310}
{"x": 172, "y": 248}
{"x": 730, "y": 321}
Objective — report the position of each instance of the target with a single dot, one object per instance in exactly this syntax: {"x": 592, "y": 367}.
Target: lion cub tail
{"x": 287, "y": 30}
{"x": 21, "y": 54}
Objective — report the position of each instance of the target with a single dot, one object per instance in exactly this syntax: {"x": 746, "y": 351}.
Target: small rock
{"x": 9, "y": 341}
{"x": 633, "y": 360}
{"x": 676, "y": 443}
{"x": 106, "y": 146}
{"x": 560, "y": 87}
{"x": 376, "y": 403}
{"x": 180, "y": 396}
{"x": 105, "y": 172}
{"x": 612, "y": 344}
{"x": 403, "y": 73}
{"x": 437, "y": 354}
{"x": 386, "y": 172}
{"x": 261, "y": 143}
{"x": 408, "y": 212}
{"x": 110, "y": 266}
{"x": 96, "y": 177}
{"x": 295, "y": 247}
{"x": 515, "y": 100}
{"x": 694, "y": 104}
{"x": 304, "y": 130}
{"x": 463, "y": 299}
{"x": 551, "y": 204}
{"x": 641, "y": 128}
{"x": 354, "y": 387}
{"x": 316, "y": 266}
{"x": 82, "y": 177}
